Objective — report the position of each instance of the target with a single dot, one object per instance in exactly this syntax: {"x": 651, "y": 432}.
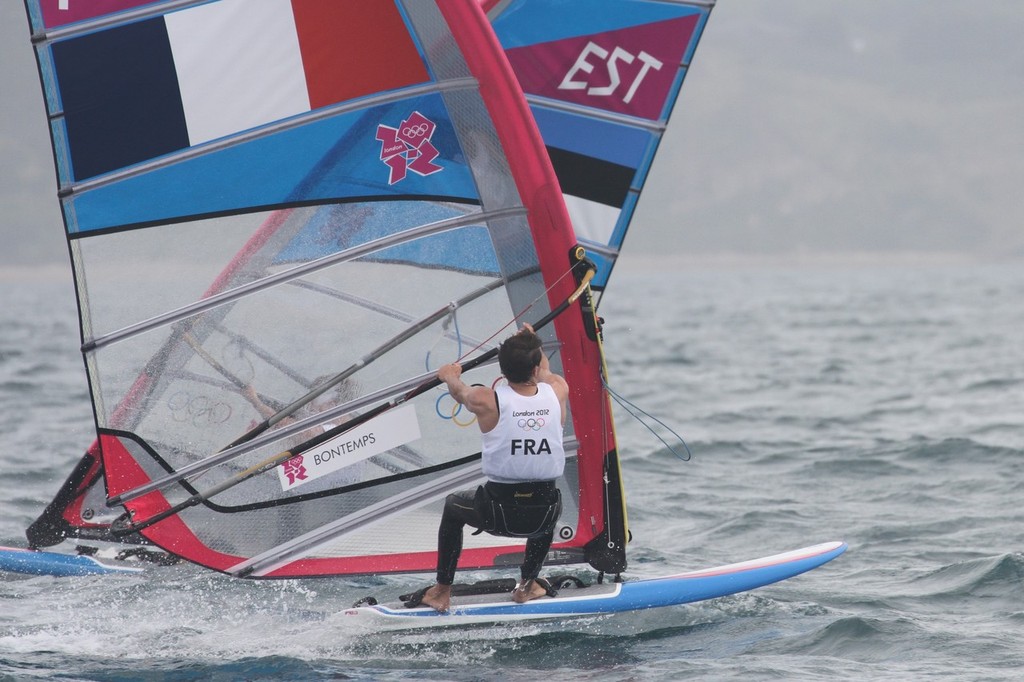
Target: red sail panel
{"x": 374, "y": 46}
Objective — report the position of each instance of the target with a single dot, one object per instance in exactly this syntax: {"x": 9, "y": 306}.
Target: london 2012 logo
{"x": 294, "y": 469}
{"x": 408, "y": 147}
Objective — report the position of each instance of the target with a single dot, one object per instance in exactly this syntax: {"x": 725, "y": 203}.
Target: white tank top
{"x": 526, "y": 444}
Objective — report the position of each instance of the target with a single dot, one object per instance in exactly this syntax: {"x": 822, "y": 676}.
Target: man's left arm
{"x": 476, "y": 398}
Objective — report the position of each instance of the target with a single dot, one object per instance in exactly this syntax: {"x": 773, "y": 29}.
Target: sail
{"x": 282, "y": 218}
{"x": 601, "y": 77}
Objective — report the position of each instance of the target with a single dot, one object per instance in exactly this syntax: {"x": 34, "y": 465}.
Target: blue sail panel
{"x": 332, "y": 159}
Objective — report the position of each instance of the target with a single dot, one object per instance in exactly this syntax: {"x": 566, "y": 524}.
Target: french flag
{"x": 156, "y": 86}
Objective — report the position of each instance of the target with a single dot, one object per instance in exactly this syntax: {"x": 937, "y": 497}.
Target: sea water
{"x": 879, "y": 405}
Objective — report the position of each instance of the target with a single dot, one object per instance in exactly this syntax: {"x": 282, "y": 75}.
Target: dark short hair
{"x": 518, "y": 355}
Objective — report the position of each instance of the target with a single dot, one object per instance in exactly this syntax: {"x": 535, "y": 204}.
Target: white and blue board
{"x": 36, "y": 562}
{"x": 607, "y": 598}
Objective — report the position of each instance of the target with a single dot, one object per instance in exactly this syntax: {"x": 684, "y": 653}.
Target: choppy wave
{"x": 999, "y": 578}
{"x": 882, "y": 408}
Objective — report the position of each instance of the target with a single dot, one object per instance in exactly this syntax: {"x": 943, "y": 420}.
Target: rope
{"x": 626, "y": 405}
{"x": 449, "y": 321}
{"x": 515, "y": 319}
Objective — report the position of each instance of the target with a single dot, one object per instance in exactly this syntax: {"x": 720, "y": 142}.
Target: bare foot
{"x": 526, "y": 591}
{"x": 438, "y": 597}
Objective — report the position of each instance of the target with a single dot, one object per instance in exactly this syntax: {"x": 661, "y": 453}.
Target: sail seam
{"x": 599, "y": 114}
{"x": 282, "y": 206}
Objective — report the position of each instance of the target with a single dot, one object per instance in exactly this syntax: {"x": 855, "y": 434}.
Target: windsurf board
{"x": 35, "y": 562}
{"x": 606, "y": 598}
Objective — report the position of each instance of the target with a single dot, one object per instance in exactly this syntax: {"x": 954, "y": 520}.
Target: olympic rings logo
{"x": 531, "y": 424}
{"x": 417, "y": 130}
{"x": 456, "y": 409}
{"x": 200, "y": 410}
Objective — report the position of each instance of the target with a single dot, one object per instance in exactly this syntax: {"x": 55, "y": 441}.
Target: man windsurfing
{"x": 522, "y": 453}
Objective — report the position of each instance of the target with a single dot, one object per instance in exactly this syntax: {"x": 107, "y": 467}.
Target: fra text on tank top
{"x": 526, "y": 444}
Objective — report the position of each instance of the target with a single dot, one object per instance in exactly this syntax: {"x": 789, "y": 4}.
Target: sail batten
{"x": 600, "y": 249}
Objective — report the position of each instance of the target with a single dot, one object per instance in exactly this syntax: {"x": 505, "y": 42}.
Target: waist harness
{"x": 518, "y": 510}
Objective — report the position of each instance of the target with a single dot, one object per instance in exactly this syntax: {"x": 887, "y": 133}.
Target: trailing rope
{"x": 626, "y": 404}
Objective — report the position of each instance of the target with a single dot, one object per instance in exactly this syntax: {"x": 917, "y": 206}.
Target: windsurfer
{"x": 521, "y": 426}
{"x": 335, "y": 397}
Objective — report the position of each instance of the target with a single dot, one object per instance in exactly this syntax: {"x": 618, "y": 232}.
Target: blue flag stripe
{"x": 120, "y": 97}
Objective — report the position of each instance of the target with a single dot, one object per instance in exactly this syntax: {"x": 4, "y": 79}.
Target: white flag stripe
{"x": 238, "y": 66}
{"x": 591, "y": 220}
